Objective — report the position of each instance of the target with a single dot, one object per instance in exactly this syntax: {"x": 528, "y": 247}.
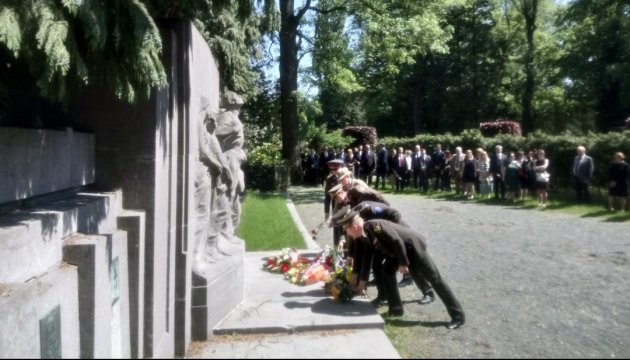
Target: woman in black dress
{"x": 618, "y": 184}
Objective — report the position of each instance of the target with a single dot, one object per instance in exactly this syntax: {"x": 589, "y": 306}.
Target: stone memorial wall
{"x": 118, "y": 240}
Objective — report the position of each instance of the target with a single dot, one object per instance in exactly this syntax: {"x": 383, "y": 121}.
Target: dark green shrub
{"x": 260, "y": 168}
{"x": 363, "y": 135}
{"x": 500, "y": 126}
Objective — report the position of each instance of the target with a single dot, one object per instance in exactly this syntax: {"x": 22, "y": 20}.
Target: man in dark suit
{"x": 342, "y": 155}
{"x": 312, "y": 167}
{"x": 400, "y": 169}
{"x": 438, "y": 161}
{"x": 415, "y": 163}
{"x": 583, "y": 168}
{"x": 405, "y": 250}
{"x": 382, "y": 166}
{"x": 324, "y": 157}
{"x": 368, "y": 163}
{"x": 498, "y": 163}
{"x": 424, "y": 164}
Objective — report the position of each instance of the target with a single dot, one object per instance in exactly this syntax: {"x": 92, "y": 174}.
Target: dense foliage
{"x": 407, "y": 68}
{"x": 57, "y": 47}
{"x": 492, "y": 128}
{"x": 362, "y": 135}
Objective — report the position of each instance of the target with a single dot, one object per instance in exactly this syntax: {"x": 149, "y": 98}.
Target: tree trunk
{"x": 528, "y": 93}
{"x": 288, "y": 89}
{"x": 530, "y": 13}
{"x": 416, "y": 110}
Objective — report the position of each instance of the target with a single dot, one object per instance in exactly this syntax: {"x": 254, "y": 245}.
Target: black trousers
{"x": 582, "y": 193}
{"x": 421, "y": 267}
{"x": 380, "y": 175}
{"x": 337, "y": 235}
{"x": 499, "y": 187}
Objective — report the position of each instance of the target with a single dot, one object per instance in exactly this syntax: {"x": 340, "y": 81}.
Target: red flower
{"x": 284, "y": 268}
{"x": 271, "y": 261}
{"x": 329, "y": 260}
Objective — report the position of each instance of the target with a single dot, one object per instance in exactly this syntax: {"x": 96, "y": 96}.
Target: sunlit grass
{"x": 560, "y": 200}
{"x": 266, "y": 223}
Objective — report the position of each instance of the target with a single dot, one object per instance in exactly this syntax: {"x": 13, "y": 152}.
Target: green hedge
{"x": 260, "y": 168}
{"x": 265, "y": 170}
{"x": 560, "y": 149}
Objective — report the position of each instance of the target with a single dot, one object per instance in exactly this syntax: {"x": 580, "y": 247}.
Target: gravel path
{"x": 533, "y": 284}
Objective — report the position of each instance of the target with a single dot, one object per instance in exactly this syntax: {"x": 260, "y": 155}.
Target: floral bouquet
{"x": 337, "y": 283}
{"x": 282, "y": 261}
{"x": 298, "y": 273}
{"x": 340, "y": 284}
{"x": 331, "y": 257}
{"x": 329, "y": 266}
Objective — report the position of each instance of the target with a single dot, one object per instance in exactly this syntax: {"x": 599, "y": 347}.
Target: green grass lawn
{"x": 561, "y": 200}
{"x": 266, "y": 223}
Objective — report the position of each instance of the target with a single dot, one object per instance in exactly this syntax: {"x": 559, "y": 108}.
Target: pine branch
{"x": 10, "y": 33}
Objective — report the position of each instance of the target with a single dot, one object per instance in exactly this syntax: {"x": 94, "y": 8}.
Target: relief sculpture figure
{"x": 229, "y": 132}
{"x": 213, "y": 182}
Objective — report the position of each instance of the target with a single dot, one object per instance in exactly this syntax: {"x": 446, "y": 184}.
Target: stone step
{"x": 40, "y": 318}
{"x": 31, "y": 238}
{"x": 103, "y": 293}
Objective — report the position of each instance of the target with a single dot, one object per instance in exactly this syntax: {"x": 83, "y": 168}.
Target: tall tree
{"x": 233, "y": 30}
{"x": 394, "y": 34}
{"x": 70, "y": 43}
{"x": 290, "y": 38}
{"x": 332, "y": 69}
{"x": 289, "y": 23}
{"x": 597, "y": 61}
{"x": 529, "y": 11}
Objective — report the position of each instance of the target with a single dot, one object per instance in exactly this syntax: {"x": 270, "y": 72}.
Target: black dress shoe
{"x": 405, "y": 282}
{"x": 454, "y": 324}
{"x": 378, "y": 302}
{"x": 395, "y": 312}
{"x": 426, "y": 299}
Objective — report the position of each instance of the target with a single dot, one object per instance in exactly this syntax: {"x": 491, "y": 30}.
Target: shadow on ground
{"x": 330, "y": 307}
{"x": 399, "y": 322}
{"x": 307, "y": 195}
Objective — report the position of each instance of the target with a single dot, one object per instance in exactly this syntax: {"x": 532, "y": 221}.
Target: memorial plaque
{"x": 114, "y": 280}
{"x": 50, "y": 334}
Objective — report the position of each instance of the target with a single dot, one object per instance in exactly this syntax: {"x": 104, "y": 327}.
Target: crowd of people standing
{"x": 471, "y": 173}
{"x": 378, "y": 241}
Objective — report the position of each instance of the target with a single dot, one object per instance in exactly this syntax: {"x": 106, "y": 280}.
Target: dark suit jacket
{"x": 585, "y": 168}
{"x": 497, "y": 163}
{"x": 368, "y": 162}
{"x": 438, "y": 159}
{"x": 382, "y": 161}
{"x": 324, "y": 159}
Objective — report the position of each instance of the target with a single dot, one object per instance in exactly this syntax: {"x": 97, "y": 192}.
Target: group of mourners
{"x": 472, "y": 173}
{"x": 379, "y": 242}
